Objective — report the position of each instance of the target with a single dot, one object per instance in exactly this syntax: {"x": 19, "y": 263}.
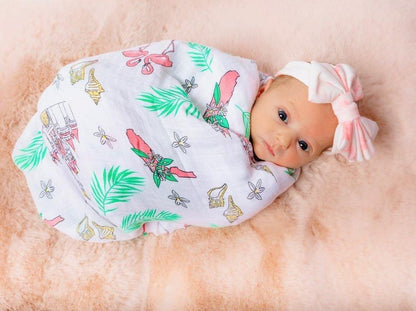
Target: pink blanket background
{"x": 343, "y": 238}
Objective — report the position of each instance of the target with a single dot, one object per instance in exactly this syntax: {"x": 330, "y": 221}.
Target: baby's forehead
{"x": 286, "y": 81}
{"x": 312, "y": 113}
{"x": 290, "y": 87}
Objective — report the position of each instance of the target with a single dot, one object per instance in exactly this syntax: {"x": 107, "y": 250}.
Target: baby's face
{"x": 286, "y": 128}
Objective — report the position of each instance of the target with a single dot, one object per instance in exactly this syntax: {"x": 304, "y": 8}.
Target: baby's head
{"x": 307, "y": 109}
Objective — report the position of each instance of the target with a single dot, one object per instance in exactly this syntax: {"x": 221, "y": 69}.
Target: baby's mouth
{"x": 269, "y": 149}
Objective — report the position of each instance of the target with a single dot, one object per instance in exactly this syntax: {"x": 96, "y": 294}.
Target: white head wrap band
{"x": 339, "y": 86}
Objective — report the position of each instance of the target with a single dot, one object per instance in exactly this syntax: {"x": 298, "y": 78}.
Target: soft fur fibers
{"x": 343, "y": 238}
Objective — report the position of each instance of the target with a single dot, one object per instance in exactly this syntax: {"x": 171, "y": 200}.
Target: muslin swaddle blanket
{"x": 150, "y": 139}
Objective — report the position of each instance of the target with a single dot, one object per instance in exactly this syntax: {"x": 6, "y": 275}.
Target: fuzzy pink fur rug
{"x": 343, "y": 238}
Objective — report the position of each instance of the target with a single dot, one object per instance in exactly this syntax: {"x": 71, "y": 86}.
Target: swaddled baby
{"x": 173, "y": 134}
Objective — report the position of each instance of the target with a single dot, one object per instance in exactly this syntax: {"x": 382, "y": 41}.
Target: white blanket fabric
{"x": 151, "y": 139}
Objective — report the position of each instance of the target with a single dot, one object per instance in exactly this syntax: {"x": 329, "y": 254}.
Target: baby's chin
{"x": 286, "y": 164}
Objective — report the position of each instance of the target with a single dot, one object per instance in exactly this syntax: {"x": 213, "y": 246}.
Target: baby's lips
{"x": 270, "y": 149}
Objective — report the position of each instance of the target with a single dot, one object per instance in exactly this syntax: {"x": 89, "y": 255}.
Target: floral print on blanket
{"x": 159, "y": 166}
{"x": 180, "y": 142}
{"x": 149, "y": 59}
{"x": 216, "y": 111}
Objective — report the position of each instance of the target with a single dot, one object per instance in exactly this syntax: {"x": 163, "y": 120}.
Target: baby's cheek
{"x": 288, "y": 160}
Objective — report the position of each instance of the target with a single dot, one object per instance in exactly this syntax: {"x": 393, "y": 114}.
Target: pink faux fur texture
{"x": 343, "y": 238}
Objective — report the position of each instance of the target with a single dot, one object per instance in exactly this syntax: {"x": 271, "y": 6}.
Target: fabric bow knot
{"x": 340, "y": 86}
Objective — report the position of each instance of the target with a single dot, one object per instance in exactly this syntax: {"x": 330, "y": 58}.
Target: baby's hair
{"x": 281, "y": 80}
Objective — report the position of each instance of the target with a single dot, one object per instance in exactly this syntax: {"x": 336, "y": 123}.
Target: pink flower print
{"x": 143, "y": 54}
{"x": 104, "y": 139}
{"x": 47, "y": 189}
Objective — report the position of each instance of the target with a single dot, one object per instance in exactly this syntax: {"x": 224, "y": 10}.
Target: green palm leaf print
{"x": 115, "y": 187}
{"x": 135, "y": 221}
{"x": 246, "y": 121}
{"x": 168, "y": 101}
{"x": 290, "y": 172}
{"x": 33, "y": 154}
{"x": 200, "y": 56}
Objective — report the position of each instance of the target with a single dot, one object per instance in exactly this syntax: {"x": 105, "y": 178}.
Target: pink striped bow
{"x": 339, "y": 86}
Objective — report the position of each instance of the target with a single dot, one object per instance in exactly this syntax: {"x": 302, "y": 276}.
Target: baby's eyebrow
{"x": 293, "y": 109}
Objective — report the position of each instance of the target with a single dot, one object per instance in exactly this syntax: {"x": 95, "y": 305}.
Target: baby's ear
{"x": 264, "y": 87}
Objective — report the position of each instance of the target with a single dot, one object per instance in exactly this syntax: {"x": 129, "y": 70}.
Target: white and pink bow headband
{"x": 339, "y": 86}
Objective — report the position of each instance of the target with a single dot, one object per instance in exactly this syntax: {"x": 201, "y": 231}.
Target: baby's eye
{"x": 282, "y": 115}
{"x": 303, "y": 145}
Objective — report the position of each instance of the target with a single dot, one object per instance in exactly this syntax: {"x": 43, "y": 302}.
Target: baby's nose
{"x": 284, "y": 138}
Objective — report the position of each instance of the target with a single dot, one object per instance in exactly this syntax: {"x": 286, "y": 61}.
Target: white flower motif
{"x": 178, "y": 199}
{"x": 47, "y": 189}
{"x": 104, "y": 139}
{"x": 180, "y": 142}
{"x": 189, "y": 85}
{"x": 255, "y": 190}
